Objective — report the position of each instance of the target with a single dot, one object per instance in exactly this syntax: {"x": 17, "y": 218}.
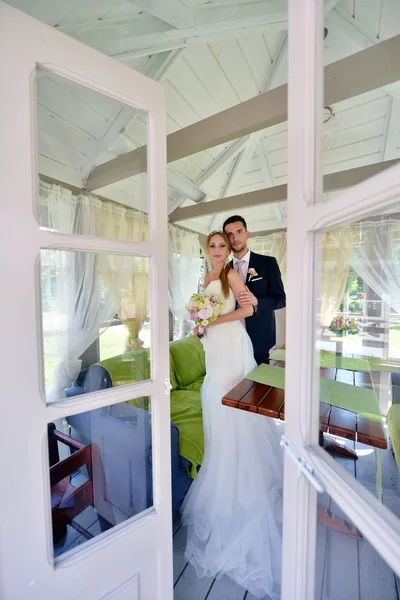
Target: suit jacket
{"x": 268, "y": 288}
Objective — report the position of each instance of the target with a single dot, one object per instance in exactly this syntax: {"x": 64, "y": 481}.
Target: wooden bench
{"x": 270, "y": 402}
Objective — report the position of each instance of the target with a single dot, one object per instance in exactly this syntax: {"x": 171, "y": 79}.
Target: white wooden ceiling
{"x": 210, "y": 55}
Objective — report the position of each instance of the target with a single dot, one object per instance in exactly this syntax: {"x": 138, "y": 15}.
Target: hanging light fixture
{"x": 331, "y": 128}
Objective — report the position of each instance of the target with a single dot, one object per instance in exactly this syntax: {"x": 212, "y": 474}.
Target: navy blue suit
{"x": 268, "y": 288}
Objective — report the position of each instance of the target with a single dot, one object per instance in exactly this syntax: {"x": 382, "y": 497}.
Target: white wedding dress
{"x": 233, "y": 509}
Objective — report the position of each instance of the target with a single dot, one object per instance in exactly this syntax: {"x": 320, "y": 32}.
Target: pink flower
{"x": 204, "y": 313}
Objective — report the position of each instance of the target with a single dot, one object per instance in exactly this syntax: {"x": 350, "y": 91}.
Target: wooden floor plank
{"x": 176, "y": 523}
{"x": 377, "y": 579}
{"x": 191, "y": 587}
{"x": 179, "y": 545}
{"x": 340, "y": 565}
{"x": 391, "y": 499}
{"x": 226, "y": 589}
{"x": 341, "y": 568}
{"x": 366, "y": 470}
{"x": 349, "y": 465}
{"x": 397, "y": 586}
{"x": 320, "y": 560}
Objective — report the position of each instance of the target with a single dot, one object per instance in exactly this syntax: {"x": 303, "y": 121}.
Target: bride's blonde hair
{"x": 223, "y": 276}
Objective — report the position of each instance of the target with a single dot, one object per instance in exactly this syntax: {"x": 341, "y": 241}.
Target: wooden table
{"x": 270, "y": 402}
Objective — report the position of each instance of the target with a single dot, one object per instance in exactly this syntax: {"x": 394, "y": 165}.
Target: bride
{"x": 233, "y": 509}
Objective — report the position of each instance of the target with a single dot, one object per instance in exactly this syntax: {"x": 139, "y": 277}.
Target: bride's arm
{"x": 236, "y": 285}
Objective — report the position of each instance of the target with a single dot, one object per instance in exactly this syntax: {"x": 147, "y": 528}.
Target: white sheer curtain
{"x": 336, "y": 255}
{"x": 183, "y": 274}
{"x": 272, "y": 245}
{"x": 81, "y": 291}
{"x": 376, "y": 257}
{"x": 261, "y": 244}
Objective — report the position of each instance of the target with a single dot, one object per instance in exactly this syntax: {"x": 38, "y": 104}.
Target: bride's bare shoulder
{"x": 235, "y": 282}
{"x": 233, "y": 276}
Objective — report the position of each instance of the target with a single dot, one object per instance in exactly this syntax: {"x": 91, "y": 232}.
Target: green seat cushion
{"x": 393, "y": 423}
{"x": 196, "y": 385}
{"x": 129, "y": 367}
{"x": 186, "y": 413}
{"x": 189, "y": 360}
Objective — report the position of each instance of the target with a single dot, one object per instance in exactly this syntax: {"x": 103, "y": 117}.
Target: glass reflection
{"x": 100, "y": 471}
{"x": 358, "y": 346}
{"x": 86, "y": 296}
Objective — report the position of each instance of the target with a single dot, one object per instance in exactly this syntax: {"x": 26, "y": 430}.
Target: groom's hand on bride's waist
{"x": 245, "y": 298}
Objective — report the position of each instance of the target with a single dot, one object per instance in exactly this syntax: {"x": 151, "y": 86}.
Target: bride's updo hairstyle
{"x": 223, "y": 276}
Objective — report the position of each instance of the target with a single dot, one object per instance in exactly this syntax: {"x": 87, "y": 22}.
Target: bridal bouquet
{"x": 203, "y": 310}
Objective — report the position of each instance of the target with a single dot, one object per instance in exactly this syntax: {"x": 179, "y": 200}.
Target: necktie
{"x": 241, "y": 268}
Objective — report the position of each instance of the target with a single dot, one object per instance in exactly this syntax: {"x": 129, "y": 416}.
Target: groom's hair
{"x": 234, "y": 219}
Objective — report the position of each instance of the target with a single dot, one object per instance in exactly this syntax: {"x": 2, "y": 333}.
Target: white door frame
{"x": 307, "y": 216}
{"x": 133, "y": 559}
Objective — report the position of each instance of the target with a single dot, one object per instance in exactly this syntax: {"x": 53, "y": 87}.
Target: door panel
{"x": 135, "y": 555}
{"x": 312, "y": 272}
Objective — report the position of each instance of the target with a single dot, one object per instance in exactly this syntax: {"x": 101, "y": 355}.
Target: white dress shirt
{"x": 246, "y": 258}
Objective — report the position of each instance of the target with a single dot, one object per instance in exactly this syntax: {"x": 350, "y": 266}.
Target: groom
{"x": 264, "y": 287}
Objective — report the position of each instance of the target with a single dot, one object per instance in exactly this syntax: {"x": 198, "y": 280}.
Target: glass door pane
{"x": 87, "y": 297}
{"x": 78, "y": 132}
{"x": 356, "y": 348}
{"x": 347, "y": 566}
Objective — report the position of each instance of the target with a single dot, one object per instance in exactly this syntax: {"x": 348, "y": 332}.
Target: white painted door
{"x": 310, "y": 215}
{"x": 58, "y": 98}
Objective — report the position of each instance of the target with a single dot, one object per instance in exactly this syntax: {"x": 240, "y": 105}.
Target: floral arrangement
{"x": 340, "y": 325}
{"x": 203, "y": 310}
{"x": 252, "y": 273}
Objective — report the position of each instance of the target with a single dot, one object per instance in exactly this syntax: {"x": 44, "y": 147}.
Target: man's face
{"x": 238, "y": 236}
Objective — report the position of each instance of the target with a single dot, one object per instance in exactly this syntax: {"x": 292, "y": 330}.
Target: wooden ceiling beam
{"x": 332, "y": 182}
{"x": 211, "y": 24}
{"x": 173, "y": 12}
{"x": 356, "y": 74}
{"x": 353, "y": 29}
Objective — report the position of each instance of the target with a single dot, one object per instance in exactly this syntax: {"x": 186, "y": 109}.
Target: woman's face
{"x": 218, "y": 249}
